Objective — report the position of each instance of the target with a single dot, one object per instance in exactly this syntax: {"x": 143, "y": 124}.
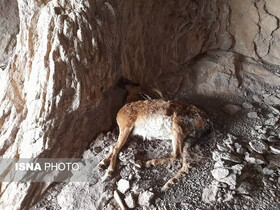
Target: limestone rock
{"x": 219, "y": 173}
{"x": 145, "y": 198}
{"x": 275, "y": 149}
{"x": 123, "y": 185}
{"x": 129, "y": 200}
{"x": 258, "y": 146}
{"x": 9, "y": 28}
{"x": 254, "y": 158}
{"x": 247, "y": 105}
{"x": 252, "y": 115}
{"x": 209, "y": 193}
{"x": 231, "y": 180}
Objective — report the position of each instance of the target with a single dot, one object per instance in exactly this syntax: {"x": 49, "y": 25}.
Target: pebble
{"x": 271, "y": 121}
{"x": 247, "y": 105}
{"x": 239, "y": 149}
{"x": 145, "y": 198}
{"x": 222, "y": 147}
{"x": 257, "y": 127}
{"x": 275, "y": 149}
{"x": 274, "y": 110}
{"x": 130, "y": 202}
{"x": 123, "y": 185}
{"x": 254, "y": 158}
{"x": 219, "y": 164}
{"x": 219, "y": 173}
{"x": 256, "y": 98}
{"x": 209, "y": 194}
{"x": 231, "y": 109}
{"x": 258, "y": 146}
{"x": 252, "y": 115}
{"x": 230, "y": 180}
{"x": 237, "y": 168}
{"x": 231, "y": 157}
{"x": 261, "y": 136}
{"x": 267, "y": 171}
{"x": 244, "y": 188}
{"x": 216, "y": 155}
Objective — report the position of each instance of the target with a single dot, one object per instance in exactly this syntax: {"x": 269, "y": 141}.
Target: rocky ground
{"x": 240, "y": 169}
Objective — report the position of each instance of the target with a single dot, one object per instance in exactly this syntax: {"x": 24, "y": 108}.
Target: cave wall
{"x": 58, "y": 92}
{"x": 9, "y": 27}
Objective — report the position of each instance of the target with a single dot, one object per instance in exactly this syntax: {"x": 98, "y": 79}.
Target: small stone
{"x": 244, "y": 188}
{"x": 230, "y": 140}
{"x": 145, "y": 198}
{"x": 273, "y": 139}
{"x": 252, "y": 115}
{"x": 257, "y": 127}
{"x": 231, "y": 109}
{"x": 261, "y": 136}
{"x": 257, "y": 98}
{"x": 267, "y": 171}
{"x": 275, "y": 149}
{"x": 271, "y": 121}
{"x": 222, "y": 147}
{"x": 209, "y": 194}
{"x": 270, "y": 115}
{"x": 231, "y": 157}
{"x": 254, "y": 158}
{"x": 216, "y": 155}
{"x": 274, "y": 110}
{"x": 239, "y": 149}
{"x": 123, "y": 185}
{"x": 130, "y": 202}
{"x": 237, "y": 168}
{"x": 231, "y": 180}
{"x": 247, "y": 105}
{"x": 258, "y": 146}
{"x": 219, "y": 173}
{"x": 253, "y": 132}
{"x": 219, "y": 164}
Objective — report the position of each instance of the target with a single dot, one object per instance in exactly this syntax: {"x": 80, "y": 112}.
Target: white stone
{"x": 130, "y": 202}
{"x": 271, "y": 121}
{"x": 237, "y": 169}
{"x": 255, "y": 158}
{"x": 209, "y": 194}
{"x": 123, "y": 185}
{"x": 275, "y": 149}
{"x": 252, "y": 115}
{"x": 247, "y": 105}
{"x": 258, "y": 146}
{"x": 267, "y": 171}
{"x": 145, "y": 198}
{"x": 219, "y": 164}
{"x": 219, "y": 173}
{"x": 231, "y": 180}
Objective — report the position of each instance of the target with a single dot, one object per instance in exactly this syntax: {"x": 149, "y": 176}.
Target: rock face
{"x": 58, "y": 89}
{"x": 9, "y": 27}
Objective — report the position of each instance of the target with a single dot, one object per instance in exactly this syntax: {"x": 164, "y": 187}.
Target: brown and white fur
{"x": 156, "y": 119}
